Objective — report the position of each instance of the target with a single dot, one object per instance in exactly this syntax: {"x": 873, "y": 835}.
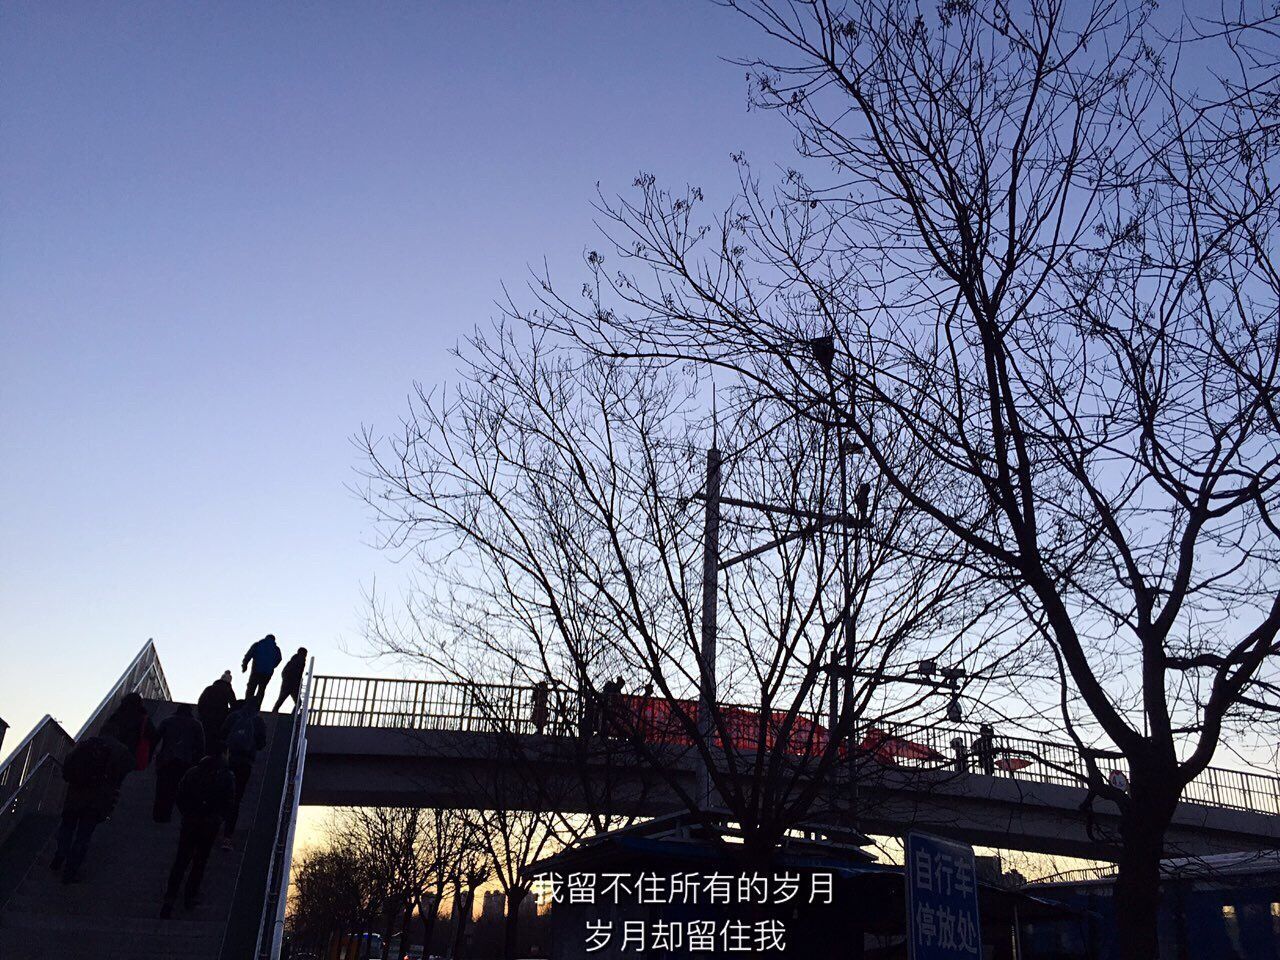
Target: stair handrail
{"x": 30, "y": 752}
{"x": 144, "y": 674}
{"x": 143, "y": 668}
{"x": 32, "y": 795}
{"x": 271, "y": 925}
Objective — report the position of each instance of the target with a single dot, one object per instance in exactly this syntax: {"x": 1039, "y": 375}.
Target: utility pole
{"x": 710, "y": 597}
{"x": 842, "y": 697}
{"x": 842, "y": 656}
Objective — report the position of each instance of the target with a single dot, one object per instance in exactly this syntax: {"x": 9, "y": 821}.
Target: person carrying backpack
{"x": 217, "y": 700}
{"x": 291, "y": 679}
{"x": 93, "y": 771}
{"x": 179, "y": 745}
{"x": 244, "y": 735}
{"x": 132, "y": 726}
{"x": 206, "y": 797}
{"x": 266, "y": 657}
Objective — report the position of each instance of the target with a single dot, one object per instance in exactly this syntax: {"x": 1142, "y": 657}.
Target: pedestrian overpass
{"x": 444, "y": 744}
{"x": 360, "y": 741}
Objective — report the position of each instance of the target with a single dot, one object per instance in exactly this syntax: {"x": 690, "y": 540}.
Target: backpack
{"x": 242, "y": 740}
{"x": 200, "y": 794}
{"x": 87, "y": 765}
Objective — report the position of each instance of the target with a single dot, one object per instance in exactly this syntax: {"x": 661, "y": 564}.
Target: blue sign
{"x": 942, "y": 900}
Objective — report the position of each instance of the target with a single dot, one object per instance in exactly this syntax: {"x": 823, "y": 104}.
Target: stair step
{"x": 113, "y": 912}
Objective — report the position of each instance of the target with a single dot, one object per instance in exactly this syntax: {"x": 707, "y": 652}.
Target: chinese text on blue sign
{"x": 942, "y": 900}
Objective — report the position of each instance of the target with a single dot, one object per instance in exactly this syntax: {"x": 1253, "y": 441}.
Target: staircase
{"x": 112, "y": 913}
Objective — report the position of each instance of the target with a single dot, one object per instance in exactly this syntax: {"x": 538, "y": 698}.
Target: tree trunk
{"x": 387, "y": 929}
{"x": 1137, "y": 889}
{"x": 428, "y": 918}
{"x": 462, "y": 927}
{"x": 464, "y": 914}
{"x": 511, "y": 926}
{"x": 406, "y": 924}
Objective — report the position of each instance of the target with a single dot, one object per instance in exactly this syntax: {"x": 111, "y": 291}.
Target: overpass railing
{"x": 432, "y": 705}
{"x": 558, "y": 711}
{"x": 1063, "y": 764}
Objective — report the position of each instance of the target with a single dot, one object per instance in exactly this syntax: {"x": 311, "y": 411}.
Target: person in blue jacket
{"x": 265, "y": 656}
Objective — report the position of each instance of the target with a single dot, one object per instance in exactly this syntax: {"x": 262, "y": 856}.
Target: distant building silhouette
{"x": 495, "y": 905}
{"x": 528, "y": 908}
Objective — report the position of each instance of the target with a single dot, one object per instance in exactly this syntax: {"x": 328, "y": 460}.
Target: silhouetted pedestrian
{"x": 539, "y": 711}
{"x": 589, "y": 705}
{"x": 984, "y": 748}
{"x": 244, "y": 735}
{"x": 291, "y": 679}
{"x": 560, "y": 717}
{"x": 216, "y": 701}
{"x": 206, "y": 797}
{"x": 265, "y": 656}
{"x": 610, "y": 707}
{"x": 93, "y": 771}
{"x": 132, "y": 726}
{"x": 179, "y": 745}
{"x": 1118, "y": 780}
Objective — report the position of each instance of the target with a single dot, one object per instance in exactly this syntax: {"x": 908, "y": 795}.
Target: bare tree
{"x": 439, "y": 857}
{"x": 394, "y": 847}
{"x": 385, "y": 862}
{"x": 1045, "y": 263}
{"x": 512, "y": 839}
{"x": 329, "y": 899}
{"x": 472, "y": 870}
{"x": 554, "y": 498}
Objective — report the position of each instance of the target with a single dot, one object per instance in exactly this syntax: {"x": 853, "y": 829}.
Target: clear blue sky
{"x": 230, "y": 235}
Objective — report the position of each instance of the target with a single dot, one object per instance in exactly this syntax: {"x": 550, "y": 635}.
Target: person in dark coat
{"x": 132, "y": 726}
{"x": 540, "y": 711}
{"x": 265, "y": 656}
{"x": 93, "y": 771}
{"x": 216, "y": 701}
{"x": 984, "y": 748}
{"x": 179, "y": 745}
{"x": 610, "y": 706}
{"x": 291, "y": 679}
{"x": 206, "y": 797}
{"x": 244, "y": 735}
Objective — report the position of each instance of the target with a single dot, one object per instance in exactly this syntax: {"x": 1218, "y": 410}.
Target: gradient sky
{"x": 230, "y": 235}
